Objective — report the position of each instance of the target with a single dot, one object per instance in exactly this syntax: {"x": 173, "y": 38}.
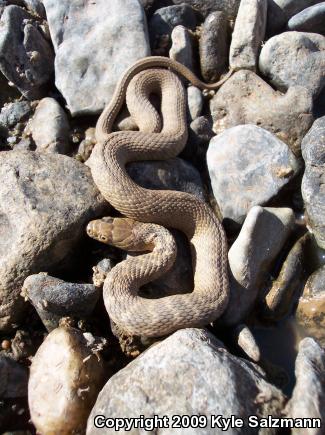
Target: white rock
{"x": 248, "y": 166}
{"x": 260, "y": 240}
{"x": 50, "y": 127}
{"x": 95, "y": 42}
{"x": 181, "y": 49}
{"x": 308, "y": 397}
{"x": 189, "y": 373}
{"x": 194, "y": 101}
{"x": 248, "y": 34}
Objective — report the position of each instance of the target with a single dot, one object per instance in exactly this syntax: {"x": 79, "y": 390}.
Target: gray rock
{"x": 173, "y": 174}
{"x": 15, "y": 112}
{"x": 50, "y": 127}
{"x": 164, "y": 20}
{"x": 248, "y": 166}
{"x": 101, "y": 270}
{"x": 310, "y": 312}
{"x": 184, "y": 366}
{"x": 110, "y": 37}
{"x": 313, "y": 144}
{"x": 47, "y": 201}
{"x": 246, "y": 99}
{"x": 285, "y": 290}
{"x": 245, "y": 340}
{"x": 313, "y": 147}
{"x": 261, "y": 238}
{"x": 292, "y": 7}
{"x": 181, "y": 49}
{"x": 36, "y": 7}
{"x": 26, "y": 58}
{"x": 311, "y": 19}
{"x": 276, "y": 19}
{"x": 308, "y": 397}
{"x": 194, "y": 102}
{"x": 213, "y": 46}
{"x": 54, "y": 298}
{"x": 13, "y": 379}
{"x": 205, "y": 7}
{"x": 248, "y": 34}
{"x": 199, "y": 135}
{"x": 25, "y": 144}
{"x": 294, "y": 58}
{"x": 8, "y": 92}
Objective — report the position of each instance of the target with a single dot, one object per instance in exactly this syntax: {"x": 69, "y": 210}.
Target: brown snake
{"x": 148, "y": 211}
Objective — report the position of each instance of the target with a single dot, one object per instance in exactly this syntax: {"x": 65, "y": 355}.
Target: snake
{"x": 147, "y": 215}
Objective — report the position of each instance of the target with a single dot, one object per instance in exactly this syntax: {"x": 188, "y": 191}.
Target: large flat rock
{"x": 189, "y": 373}
{"x": 94, "y": 42}
{"x": 46, "y": 201}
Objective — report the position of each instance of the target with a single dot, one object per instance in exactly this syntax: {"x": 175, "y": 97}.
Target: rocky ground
{"x": 256, "y": 154}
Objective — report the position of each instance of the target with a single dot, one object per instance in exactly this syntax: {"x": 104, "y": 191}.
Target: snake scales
{"x": 148, "y": 212}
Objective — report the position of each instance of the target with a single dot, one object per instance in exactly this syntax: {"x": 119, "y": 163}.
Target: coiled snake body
{"x": 148, "y": 212}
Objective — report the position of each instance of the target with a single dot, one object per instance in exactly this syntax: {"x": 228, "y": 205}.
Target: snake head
{"x": 118, "y": 232}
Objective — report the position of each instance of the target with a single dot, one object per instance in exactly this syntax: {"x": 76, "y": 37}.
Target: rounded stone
{"x": 294, "y": 58}
{"x": 248, "y": 166}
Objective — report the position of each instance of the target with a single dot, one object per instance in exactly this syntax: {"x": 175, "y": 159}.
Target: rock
{"x": 304, "y": 66}
{"x": 246, "y": 99}
{"x": 312, "y": 187}
{"x": 36, "y": 7}
{"x": 184, "y": 366}
{"x": 248, "y": 166}
{"x": 213, "y": 46}
{"x": 26, "y": 58}
{"x": 25, "y": 144}
{"x": 308, "y": 397}
{"x": 285, "y": 290}
{"x": 54, "y": 298}
{"x": 261, "y": 238}
{"x": 311, "y": 19}
{"x": 13, "y": 379}
{"x": 48, "y": 201}
{"x": 194, "y": 101}
{"x": 181, "y": 49}
{"x": 109, "y": 40}
{"x": 199, "y": 135}
{"x": 101, "y": 270}
{"x": 276, "y": 19}
{"x": 68, "y": 368}
{"x": 86, "y": 145}
{"x": 15, "y": 112}
{"x": 292, "y": 7}
{"x": 248, "y": 34}
{"x": 246, "y": 342}
{"x": 205, "y": 7}
{"x": 311, "y": 308}
{"x": 8, "y": 92}
{"x": 173, "y": 174}
{"x": 164, "y": 20}
{"x": 313, "y": 144}
{"x": 24, "y": 345}
{"x": 50, "y": 127}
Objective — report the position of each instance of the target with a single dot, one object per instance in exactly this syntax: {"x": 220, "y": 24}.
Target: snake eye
{"x": 103, "y": 238}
